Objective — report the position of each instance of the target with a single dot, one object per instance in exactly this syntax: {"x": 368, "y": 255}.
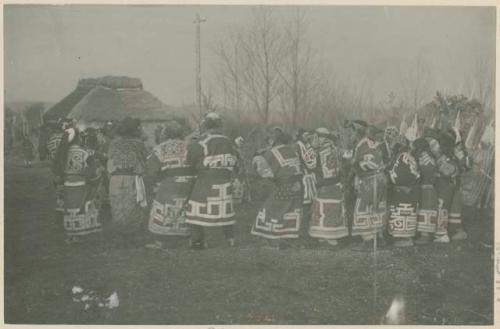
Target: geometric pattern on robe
{"x": 403, "y": 196}
{"x": 428, "y": 202}
{"x": 126, "y": 165}
{"x": 281, "y": 214}
{"x": 168, "y": 164}
{"x": 446, "y": 188}
{"x": 82, "y": 176}
{"x": 328, "y": 220}
{"x": 214, "y": 158}
{"x": 308, "y": 159}
{"x": 370, "y": 184}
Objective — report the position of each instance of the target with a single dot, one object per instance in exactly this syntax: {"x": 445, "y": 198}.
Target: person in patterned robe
{"x": 213, "y": 158}
{"x": 240, "y": 188}
{"x": 464, "y": 163}
{"x": 55, "y": 137}
{"x": 446, "y": 183}
{"x": 354, "y": 131}
{"x": 427, "y": 213}
{"x": 167, "y": 164}
{"x": 403, "y": 198}
{"x": 81, "y": 173}
{"x": 307, "y": 156}
{"x": 328, "y": 220}
{"x": 127, "y": 193}
{"x": 281, "y": 214}
{"x": 370, "y": 185}
{"x": 102, "y": 151}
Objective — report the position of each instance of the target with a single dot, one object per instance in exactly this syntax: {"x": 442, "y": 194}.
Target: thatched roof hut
{"x": 96, "y": 101}
{"x": 109, "y": 98}
{"x": 106, "y": 104}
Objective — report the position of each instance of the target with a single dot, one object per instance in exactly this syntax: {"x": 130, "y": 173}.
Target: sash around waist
{"x": 218, "y": 172}
{"x": 125, "y": 172}
{"x": 407, "y": 189}
{"x": 328, "y": 181}
{"x": 290, "y": 179}
{"x": 74, "y": 183}
{"x": 173, "y": 172}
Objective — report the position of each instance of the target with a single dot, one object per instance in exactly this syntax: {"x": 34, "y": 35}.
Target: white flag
{"x": 403, "y": 127}
{"x": 411, "y": 133}
{"x": 456, "y": 128}
{"x": 434, "y": 122}
{"x": 469, "y": 141}
{"x": 489, "y": 135}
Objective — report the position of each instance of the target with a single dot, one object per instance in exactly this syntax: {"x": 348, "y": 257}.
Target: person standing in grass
{"x": 328, "y": 220}
{"x": 370, "y": 184}
{"x": 448, "y": 171}
{"x": 403, "y": 197}
{"x": 81, "y": 173}
{"x": 56, "y": 132}
{"x": 213, "y": 157}
{"x": 167, "y": 165}
{"x": 428, "y": 205}
{"x": 280, "y": 216}
{"x": 27, "y": 151}
{"x": 127, "y": 193}
{"x": 307, "y": 156}
{"x": 464, "y": 163}
{"x": 353, "y": 132}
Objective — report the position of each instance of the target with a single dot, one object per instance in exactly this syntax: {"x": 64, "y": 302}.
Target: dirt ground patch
{"x": 442, "y": 284}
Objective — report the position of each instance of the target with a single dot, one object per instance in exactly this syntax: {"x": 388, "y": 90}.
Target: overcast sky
{"x": 48, "y": 48}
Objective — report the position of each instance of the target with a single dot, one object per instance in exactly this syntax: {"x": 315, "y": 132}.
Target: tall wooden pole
{"x": 198, "y": 21}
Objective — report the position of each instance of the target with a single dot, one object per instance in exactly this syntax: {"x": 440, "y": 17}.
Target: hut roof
{"x": 106, "y": 104}
{"x": 110, "y": 98}
{"x": 63, "y": 107}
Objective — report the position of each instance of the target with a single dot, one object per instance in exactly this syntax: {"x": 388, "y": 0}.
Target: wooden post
{"x": 198, "y": 21}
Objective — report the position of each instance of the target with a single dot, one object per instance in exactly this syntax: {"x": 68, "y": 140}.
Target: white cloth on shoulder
{"x": 141, "y": 192}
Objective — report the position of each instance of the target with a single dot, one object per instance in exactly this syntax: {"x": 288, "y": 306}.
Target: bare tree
{"x": 481, "y": 83}
{"x": 262, "y": 49}
{"x": 229, "y": 72}
{"x": 299, "y": 76}
{"x": 416, "y": 83}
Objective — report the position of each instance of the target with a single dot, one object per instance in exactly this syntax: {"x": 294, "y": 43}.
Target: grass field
{"x": 442, "y": 284}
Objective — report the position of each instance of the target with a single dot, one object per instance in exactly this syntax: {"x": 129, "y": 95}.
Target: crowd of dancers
{"x": 387, "y": 186}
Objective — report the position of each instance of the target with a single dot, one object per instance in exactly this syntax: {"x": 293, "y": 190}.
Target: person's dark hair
{"x": 282, "y": 138}
{"x": 421, "y": 145}
{"x": 129, "y": 127}
{"x": 173, "y": 129}
{"x": 300, "y": 134}
{"x": 398, "y": 148}
{"x": 212, "y": 123}
{"x": 91, "y": 139}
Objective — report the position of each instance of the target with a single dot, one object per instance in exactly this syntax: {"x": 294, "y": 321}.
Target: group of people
{"x": 383, "y": 187}
{"x": 387, "y": 186}
{"x": 179, "y": 186}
